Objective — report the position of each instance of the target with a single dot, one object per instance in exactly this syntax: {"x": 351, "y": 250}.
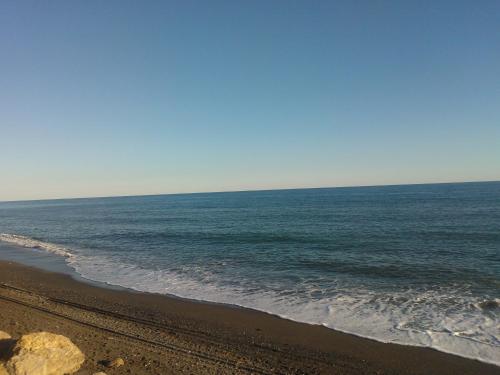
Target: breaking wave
{"x": 447, "y": 319}
{"x": 35, "y": 244}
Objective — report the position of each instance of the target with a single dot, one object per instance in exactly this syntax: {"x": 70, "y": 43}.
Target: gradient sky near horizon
{"x": 102, "y": 98}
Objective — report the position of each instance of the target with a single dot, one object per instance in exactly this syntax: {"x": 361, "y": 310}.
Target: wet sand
{"x": 157, "y": 334}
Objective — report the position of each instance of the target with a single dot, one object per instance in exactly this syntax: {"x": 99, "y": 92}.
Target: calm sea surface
{"x": 416, "y": 264}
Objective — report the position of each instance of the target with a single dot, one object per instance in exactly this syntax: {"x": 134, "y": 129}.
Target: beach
{"x": 250, "y": 188}
{"x": 157, "y": 334}
{"x": 412, "y": 265}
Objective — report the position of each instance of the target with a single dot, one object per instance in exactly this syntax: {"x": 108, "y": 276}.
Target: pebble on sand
{"x": 117, "y": 362}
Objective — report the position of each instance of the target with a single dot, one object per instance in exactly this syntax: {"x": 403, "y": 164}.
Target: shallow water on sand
{"x": 417, "y": 265}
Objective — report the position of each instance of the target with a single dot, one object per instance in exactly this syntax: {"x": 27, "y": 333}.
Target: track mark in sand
{"x": 169, "y": 329}
{"x": 170, "y": 347}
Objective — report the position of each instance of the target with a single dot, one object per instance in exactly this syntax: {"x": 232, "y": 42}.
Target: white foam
{"x": 35, "y": 244}
{"x": 358, "y": 311}
{"x": 448, "y": 319}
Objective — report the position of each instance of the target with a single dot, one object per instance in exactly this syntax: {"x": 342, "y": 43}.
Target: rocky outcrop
{"x": 3, "y": 370}
{"x": 45, "y": 353}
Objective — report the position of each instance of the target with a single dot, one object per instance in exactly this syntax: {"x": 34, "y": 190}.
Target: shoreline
{"x": 53, "y": 262}
{"x": 238, "y": 335}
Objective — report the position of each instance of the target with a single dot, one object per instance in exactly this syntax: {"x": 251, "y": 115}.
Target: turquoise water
{"x": 415, "y": 264}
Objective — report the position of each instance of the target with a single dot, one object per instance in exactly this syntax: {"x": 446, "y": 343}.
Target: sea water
{"x": 414, "y": 264}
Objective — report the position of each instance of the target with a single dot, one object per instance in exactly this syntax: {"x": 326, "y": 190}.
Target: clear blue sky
{"x": 117, "y": 97}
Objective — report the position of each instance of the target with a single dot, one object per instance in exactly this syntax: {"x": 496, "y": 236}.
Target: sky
{"x": 102, "y": 98}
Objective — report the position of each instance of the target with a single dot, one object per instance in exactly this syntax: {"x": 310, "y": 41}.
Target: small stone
{"x": 99, "y": 373}
{"x": 4, "y": 335}
{"x": 45, "y": 353}
{"x": 117, "y": 362}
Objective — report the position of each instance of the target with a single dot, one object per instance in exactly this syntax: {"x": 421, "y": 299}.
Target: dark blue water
{"x": 415, "y": 264}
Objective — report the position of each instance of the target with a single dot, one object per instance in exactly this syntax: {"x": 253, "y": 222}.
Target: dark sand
{"x": 162, "y": 335}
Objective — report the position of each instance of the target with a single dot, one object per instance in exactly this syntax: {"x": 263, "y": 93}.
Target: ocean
{"x": 409, "y": 264}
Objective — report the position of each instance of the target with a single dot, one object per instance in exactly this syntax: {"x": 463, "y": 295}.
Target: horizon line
{"x": 249, "y": 190}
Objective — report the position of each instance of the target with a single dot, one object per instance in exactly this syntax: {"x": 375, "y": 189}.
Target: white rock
{"x": 45, "y": 353}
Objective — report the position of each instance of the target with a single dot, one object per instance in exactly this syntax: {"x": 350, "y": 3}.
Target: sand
{"x": 158, "y": 334}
